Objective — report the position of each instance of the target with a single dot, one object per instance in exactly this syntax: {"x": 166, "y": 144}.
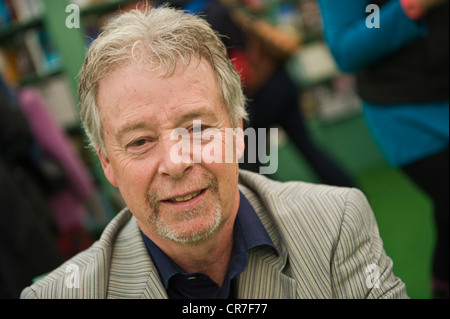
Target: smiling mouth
{"x": 185, "y": 198}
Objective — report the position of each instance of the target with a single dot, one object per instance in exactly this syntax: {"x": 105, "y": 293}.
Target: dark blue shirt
{"x": 249, "y": 233}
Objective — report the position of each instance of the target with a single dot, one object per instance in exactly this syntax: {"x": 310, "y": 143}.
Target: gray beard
{"x": 165, "y": 230}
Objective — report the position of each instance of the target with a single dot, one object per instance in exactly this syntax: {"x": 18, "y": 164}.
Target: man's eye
{"x": 138, "y": 143}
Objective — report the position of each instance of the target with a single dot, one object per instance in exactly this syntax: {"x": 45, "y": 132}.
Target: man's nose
{"x": 175, "y": 158}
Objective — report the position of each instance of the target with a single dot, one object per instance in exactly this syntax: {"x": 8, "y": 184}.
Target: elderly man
{"x": 195, "y": 226}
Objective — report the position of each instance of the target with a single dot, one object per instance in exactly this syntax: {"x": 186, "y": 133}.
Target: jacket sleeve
{"x": 353, "y": 44}
{"x": 360, "y": 267}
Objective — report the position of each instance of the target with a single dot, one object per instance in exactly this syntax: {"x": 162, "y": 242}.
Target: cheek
{"x": 227, "y": 176}
{"x": 133, "y": 182}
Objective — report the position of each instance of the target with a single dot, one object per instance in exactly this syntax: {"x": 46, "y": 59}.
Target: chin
{"x": 190, "y": 231}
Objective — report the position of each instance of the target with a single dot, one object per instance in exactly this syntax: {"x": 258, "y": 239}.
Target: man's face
{"x": 184, "y": 201}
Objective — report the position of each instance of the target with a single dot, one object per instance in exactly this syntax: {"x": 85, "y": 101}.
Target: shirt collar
{"x": 249, "y": 233}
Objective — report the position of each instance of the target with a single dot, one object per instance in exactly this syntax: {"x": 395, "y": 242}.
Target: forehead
{"x": 134, "y": 92}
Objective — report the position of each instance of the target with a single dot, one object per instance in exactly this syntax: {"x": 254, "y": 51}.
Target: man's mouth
{"x": 184, "y": 198}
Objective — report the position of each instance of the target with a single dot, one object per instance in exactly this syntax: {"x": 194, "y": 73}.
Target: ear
{"x": 107, "y": 168}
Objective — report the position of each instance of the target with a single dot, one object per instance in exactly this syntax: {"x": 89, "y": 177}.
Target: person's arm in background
{"x": 354, "y": 45}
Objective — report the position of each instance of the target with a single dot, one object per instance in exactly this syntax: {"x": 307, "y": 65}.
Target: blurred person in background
{"x": 28, "y": 231}
{"x": 399, "y": 50}
{"x": 45, "y": 192}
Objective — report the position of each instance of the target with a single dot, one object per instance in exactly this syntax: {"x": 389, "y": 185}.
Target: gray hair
{"x": 162, "y": 37}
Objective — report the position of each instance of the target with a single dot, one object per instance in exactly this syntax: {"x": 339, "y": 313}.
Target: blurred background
{"x": 54, "y": 199}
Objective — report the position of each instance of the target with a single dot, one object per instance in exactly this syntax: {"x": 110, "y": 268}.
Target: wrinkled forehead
{"x": 132, "y": 92}
{"x": 129, "y": 80}
{"x": 161, "y": 69}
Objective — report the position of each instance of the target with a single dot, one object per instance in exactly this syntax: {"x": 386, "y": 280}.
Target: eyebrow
{"x": 196, "y": 115}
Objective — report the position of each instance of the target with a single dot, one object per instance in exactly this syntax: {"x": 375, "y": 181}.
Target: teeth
{"x": 184, "y": 199}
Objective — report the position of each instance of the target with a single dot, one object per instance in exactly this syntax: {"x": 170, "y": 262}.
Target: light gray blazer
{"x": 327, "y": 239}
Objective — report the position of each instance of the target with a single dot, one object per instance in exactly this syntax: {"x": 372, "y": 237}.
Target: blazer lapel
{"x": 264, "y": 276}
{"x": 299, "y": 248}
{"x": 132, "y": 273}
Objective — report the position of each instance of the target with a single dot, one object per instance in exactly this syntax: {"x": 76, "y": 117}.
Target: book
{"x": 29, "y": 54}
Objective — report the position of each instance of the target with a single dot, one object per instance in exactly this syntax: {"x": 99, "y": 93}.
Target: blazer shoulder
{"x": 299, "y": 197}
{"x": 300, "y": 209}
{"x": 86, "y": 274}
{"x": 330, "y": 234}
